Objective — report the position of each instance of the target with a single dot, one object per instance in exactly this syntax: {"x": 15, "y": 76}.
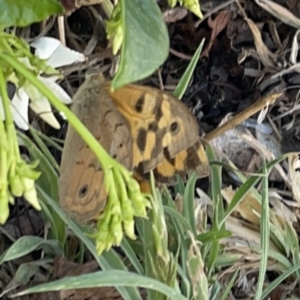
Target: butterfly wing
{"x": 165, "y": 133}
{"x": 82, "y": 193}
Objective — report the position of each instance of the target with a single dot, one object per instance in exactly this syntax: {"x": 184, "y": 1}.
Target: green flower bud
{"x": 117, "y": 39}
{"x": 30, "y": 193}
{"x": 114, "y": 28}
{"x": 16, "y": 185}
{"x": 129, "y": 229}
{"x": 127, "y": 210}
{"x": 102, "y": 236}
{"x": 116, "y": 230}
{"x": 133, "y": 186}
{"x": 27, "y": 170}
{"x": 140, "y": 204}
{"x": 100, "y": 247}
{"x": 194, "y": 7}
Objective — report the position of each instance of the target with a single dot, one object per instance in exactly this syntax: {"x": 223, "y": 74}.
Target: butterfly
{"x": 141, "y": 127}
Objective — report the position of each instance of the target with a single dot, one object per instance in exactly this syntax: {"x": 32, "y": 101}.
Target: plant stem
{"x": 4, "y": 157}
{"x": 13, "y": 149}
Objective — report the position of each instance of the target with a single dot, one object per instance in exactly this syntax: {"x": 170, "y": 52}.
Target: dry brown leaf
{"x": 266, "y": 56}
{"x": 250, "y": 236}
{"x": 246, "y": 206}
{"x": 217, "y": 25}
{"x": 279, "y": 12}
{"x": 282, "y": 212}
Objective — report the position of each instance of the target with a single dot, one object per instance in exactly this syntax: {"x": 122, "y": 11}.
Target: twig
{"x": 241, "y": 117}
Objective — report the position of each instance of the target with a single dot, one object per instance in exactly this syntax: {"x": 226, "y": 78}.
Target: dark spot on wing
{"x": 140, "y": 104}
{"x": 141, "y": 139}
{"x": 83, "y": 191}
{"x": 174, "y": 128}
{"x": 158, "y": 143}
{"x": 157, "y": 112}
{"x": 153, "y": 126}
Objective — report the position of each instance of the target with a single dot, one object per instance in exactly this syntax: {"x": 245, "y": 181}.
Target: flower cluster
{"x": 17, "y": 177}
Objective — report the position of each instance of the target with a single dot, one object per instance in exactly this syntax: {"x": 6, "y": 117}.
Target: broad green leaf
{"x": 145, "y": 41}
{"x": 23, "y": 13}
{"x": 115, "y": 278}
{"x": 26, "y": 245}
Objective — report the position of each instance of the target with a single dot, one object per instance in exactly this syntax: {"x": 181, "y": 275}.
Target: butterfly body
{"x": 143, "y": 128}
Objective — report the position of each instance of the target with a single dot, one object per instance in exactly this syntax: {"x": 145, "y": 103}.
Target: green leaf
{"x": 264, "y": 233}
{"x": 275, "y": 283}
{"x": 23, "y": 13}
{"x": 145, "y": 41}
{"x": 213, "y": 236}
{"x": 189, "y": 202}
{"x": 26, "y": 245}
{"x": 105, "y": 278}
{"x": 185, "y": 79}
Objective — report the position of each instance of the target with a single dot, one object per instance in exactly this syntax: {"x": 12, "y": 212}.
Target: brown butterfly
{"x": 143, "y": 128}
